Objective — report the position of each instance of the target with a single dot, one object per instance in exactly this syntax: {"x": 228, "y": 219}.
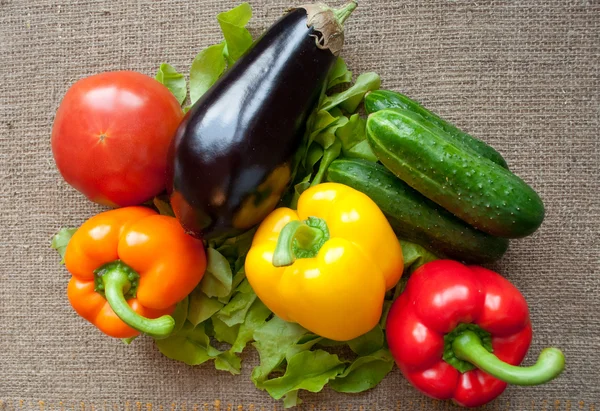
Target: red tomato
{"x": 111, "y": 136}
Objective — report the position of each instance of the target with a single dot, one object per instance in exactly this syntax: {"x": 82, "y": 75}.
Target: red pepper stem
{"x": 300, "y": 239}
{"x": 117, "y": 281}
{"x": 468, "y": 347}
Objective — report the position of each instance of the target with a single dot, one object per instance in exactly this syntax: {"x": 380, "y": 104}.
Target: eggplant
{"x": 231, "y": 158}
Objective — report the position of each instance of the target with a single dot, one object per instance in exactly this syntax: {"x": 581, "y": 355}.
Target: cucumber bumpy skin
{"x": 383, "y": 99}
{"x": 474, "y": 189}
{"x": 416, "y": 218}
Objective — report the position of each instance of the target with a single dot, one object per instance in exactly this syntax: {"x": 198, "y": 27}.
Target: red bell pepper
{"x": 459, "y": 333}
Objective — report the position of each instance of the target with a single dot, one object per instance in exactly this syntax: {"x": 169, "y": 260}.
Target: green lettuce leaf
{"x": 291, "y": 399}
{"x": 315, "y": 153}
{"x": 173, "y": 80}
{"x": 336, "y": 112}
{"x": 302, "y": 186}
{"x": 339, "y": 74}
{"x": 361, "y": 150}
{"x": 272, "y": 341}
{"x": 323, "y": 120}
{"x": 180, "y": 314}
{"x": 217, "y": 280}
{"x": 255, "y": 318}
{"x": 129, "y": 340}
{"x": 307, "y": 370}
{"x": 237, "y": 37}
{"x": 228, "y": 320}
{"x": 350, "y": 99}
{"x": 353, "y": 137}
{"x": 237, "y": 308}
{"x": 224, "y": 332}
{"x": 163, "y": 206}
{"x": 352, "y": 132}
{"x": 364, "y": 373}
{"x": 211, "y": 63}
{"x": 306, "y": 342}
{"x": 228, "y": 361}
{"x": 236, "y": 248}
{"x": 415, "y": 256}
{"x": 325, "y": 146}
{"x": 331, "y": 133}
{"x": 190, "y": 345}
{"x": 287, "y": 348}
{"x": 326, "y": 137}
{"x": 368, "y": 343}
{"x": 202, "y": 307}
{"x": 238, "y": 278}
{"x": 61, "y": 239}
{"x": 330, "y": 154}
{"x": 206, "y": 69}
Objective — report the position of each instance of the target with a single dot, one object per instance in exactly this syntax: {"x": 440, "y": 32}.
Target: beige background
{"x": 523, "y": 76}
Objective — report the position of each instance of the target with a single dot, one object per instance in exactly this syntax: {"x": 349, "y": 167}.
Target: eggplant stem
{"x": 343, "y": 13}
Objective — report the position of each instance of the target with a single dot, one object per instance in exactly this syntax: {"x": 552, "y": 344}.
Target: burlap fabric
{"x": 523, "y": 76}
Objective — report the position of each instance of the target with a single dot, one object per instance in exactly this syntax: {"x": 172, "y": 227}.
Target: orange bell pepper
{"x": 130, "y": 267}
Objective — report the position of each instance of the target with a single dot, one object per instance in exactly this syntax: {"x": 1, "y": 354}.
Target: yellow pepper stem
{"x": 300, "y": 239}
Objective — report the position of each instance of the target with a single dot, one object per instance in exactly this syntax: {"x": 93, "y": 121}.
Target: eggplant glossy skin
{"x": 230, "y": 160}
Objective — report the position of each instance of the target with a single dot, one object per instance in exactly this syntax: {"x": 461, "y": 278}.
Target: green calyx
{"x": 118, "y": 282}
{"x": 449, "y": 355}
{"x": 300, "y": 239}
{"x": 468, "y": 347}
{"x": 132, "y": 276}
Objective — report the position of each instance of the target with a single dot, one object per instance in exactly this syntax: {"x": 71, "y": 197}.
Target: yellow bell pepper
{"x": 328, "y": 265}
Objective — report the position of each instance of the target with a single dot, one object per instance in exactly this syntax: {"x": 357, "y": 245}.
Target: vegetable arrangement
{"x": 269, "y": 211}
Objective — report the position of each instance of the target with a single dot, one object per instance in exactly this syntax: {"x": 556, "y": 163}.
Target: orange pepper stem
{"x": 300, "y": 239}
{"x": 117, "y": 280}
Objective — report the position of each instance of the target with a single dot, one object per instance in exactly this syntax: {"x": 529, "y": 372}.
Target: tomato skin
{"x": 111, "y": 136}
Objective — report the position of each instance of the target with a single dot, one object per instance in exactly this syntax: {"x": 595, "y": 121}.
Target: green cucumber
{"x": 382, "y": 99}
{"x": 414, "y": 217}
{"x": 474, "y": 189}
